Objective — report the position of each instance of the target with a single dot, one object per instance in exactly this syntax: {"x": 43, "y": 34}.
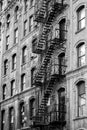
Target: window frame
{"x": 81, "y": 107}
{"x": 4, "y": 92}
{"x": 24, "y": 54}
{"x": 22, "y": 114}
{"x": 14, "y": 61}
{"x": 26, "y": 5}
{"x": 23, "y": 81}
{"x": 16, "y": 36}
{"x": 31, "y": 23}
{"x": 81, "y": 56}
{"x": 13, "y": 87}
{"x": 8, "y": 21}
{"x": 11, "y": 118}
{"x": 16, "y": 13}
{"x": 7, "y": 42}
{"x": 2, "y": 119}
{"x": 32, "y": 107}
{"x": 33, "y": 72}
{"x": 25, "y": 27}
{"x": 5, "y": 67}
{"x": 79, "y": 20}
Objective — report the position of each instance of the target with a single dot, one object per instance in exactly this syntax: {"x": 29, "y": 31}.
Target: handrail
{"x": 58, "y": 114}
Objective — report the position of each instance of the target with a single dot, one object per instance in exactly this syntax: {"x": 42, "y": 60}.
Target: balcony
{"x": 37, "y": 47}
{"x": 55, "y": 5}
{"x": 40, "y": 10}
{"x": 57, "y": 36}
{"x": 56, "y": 69}
{"x": 55, "y": 117}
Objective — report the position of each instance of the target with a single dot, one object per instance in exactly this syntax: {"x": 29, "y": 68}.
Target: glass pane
{"x": 82, "y": 13}
{"x": 82, "y": 60}
{"x": 82, "y": 50}
{"x": 82, "y": 101}
{"x": 83, "y": 23}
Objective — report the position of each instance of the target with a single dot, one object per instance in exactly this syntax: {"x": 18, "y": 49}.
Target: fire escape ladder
{"x": 40, "y": 10}
{"x": 45, "y": 62}
{"x": 51, "y": 14}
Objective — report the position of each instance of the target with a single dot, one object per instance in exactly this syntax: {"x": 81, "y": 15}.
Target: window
{"x": 26, "y": 5}
{"x": 16, "y": 36}
{"x": 0, "y": 29}
{"x": 81, "y": 17}
{"x": 22, "y": 114}
{"x": 3, "y": 120}
{"x": 8, "y": 21}
{"x": 25, "y": 27}
{"x": 4, "y": 92}
{"x": 62, "y": 65}
{"x": 61, "y": 99}
{"x": 16, "y": 13}
{"x": 24, "y": 54}
{"x": 7, "y": 42}
{"x": 5, "y": 67}
{"x": 11, "y": 119}
{"x": 22, "y": 82}
{"x": 62, "y": 29}
{"x": 14, "y": 62}
{"x": 32, "y": 108}
{"x": 12, "y": 87}
{"x": 81, "y": 98}
{"x": 1, "y": 5}
{"x": 33, "y": 72}
{"x": 31, "y": 3}
{"x": 31, "y": 23}
{"x": 81, "y": 54}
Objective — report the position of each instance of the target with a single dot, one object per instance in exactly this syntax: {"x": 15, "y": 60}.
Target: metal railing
{"x": 57, "y": 114}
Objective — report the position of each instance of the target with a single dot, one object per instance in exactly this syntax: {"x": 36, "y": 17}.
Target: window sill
{"x": 79, "y": 30}
{"x": 4, "y": 76}
{"x": 31, "y": 7}
{"x": 16, "y": 21}
{"x": 80, "y": 67}
{"x": 24, "y": 128}
{"x": 23, "y": 64}
{"x": 80, "y": 117}
{"x": 13, "y": 70}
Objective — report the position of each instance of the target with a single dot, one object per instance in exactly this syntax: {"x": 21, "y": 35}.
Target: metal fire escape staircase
{"x": 55, "y": 9}
{"x": 47, "y": 16}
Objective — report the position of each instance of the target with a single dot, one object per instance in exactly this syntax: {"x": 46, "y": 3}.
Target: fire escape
{"x": 45, "y": 13}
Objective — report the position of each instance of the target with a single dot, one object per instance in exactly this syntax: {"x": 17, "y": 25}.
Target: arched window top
{"x": 32, "y": 98}
{"x": 21, "y": 102}
{"x": 24, "y": 47}
{"x": 81, "y": 86}
{"x": 61, "y": 90}
{"x": 62, "y": 20}
{"x": 61, "y": 54}
{"x": 16, "y": 8}
{"x": 80, "y": 8}
{"x": 6, "y": 60}
{"x": 80, "y": 44}
{"x": 8, "y": 16}
{"x": 80, "y": 82}
{"x": 16, "y": 12}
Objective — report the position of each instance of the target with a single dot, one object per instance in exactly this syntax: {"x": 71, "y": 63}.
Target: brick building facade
{"x": 43, "y": 65}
